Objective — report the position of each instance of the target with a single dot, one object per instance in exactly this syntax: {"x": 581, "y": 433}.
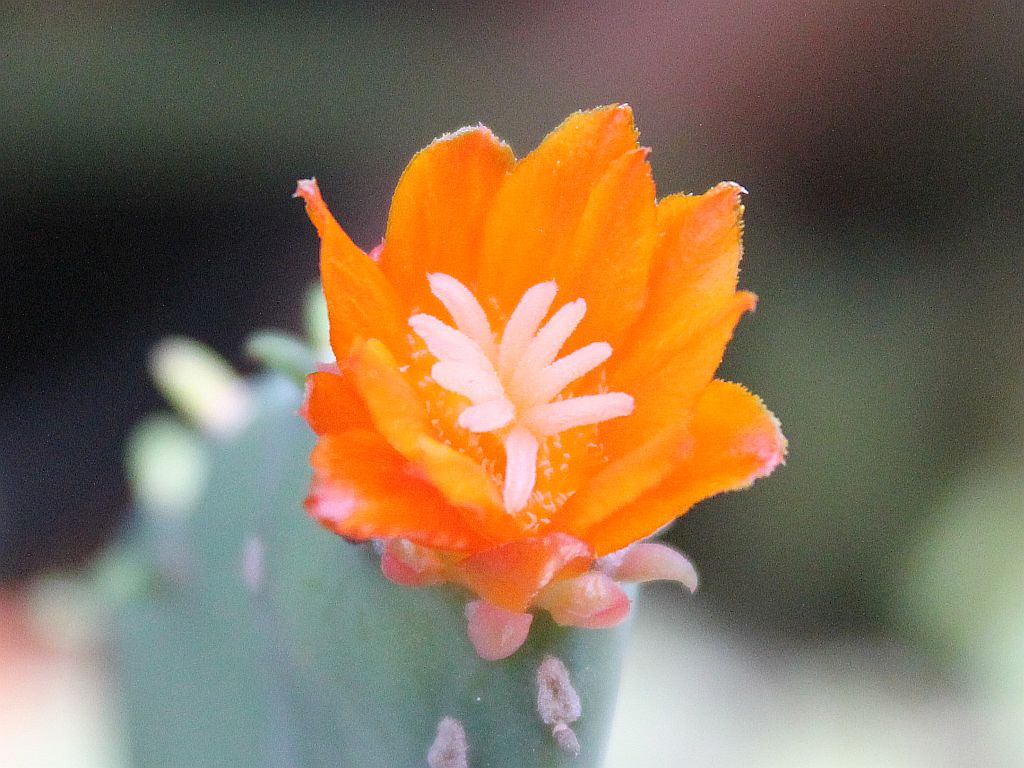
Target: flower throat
{"x": 514, "y": 385}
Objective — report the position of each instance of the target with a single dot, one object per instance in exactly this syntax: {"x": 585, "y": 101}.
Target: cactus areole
{"x": 454, "y": 430}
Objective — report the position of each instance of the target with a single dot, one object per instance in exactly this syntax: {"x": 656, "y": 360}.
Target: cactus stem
{"x": 558, "y": 703}
{"x": 175, "y": 569}
{"x": 450, "y": 749}
{"x": 252, "y": 564}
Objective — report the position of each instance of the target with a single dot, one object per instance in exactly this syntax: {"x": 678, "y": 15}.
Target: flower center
{"x": 512, "y": 385}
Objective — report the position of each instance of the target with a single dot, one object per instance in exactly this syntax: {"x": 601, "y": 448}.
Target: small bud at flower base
{"x": 409, "y": 565}
{"x": 494, "y": 632}
{"x": 593, "y": 600}
{"x": 650, "y": 561}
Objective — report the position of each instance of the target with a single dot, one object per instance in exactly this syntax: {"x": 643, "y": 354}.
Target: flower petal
{"x": 694, "y": 274}
{"x": 398, "y": 414}
{"x": 610, "y": 258}
{"x": 735, "y": 441}
{"x": 332, "y": 404}
{"x": 512, "y": 574}
{"x": 667, "y": 393}
{"x": 362, "y": 488}
{"x": 438, "y": 212}
{"x": 592, "y": 600}
{"x": 361, "y": 304}
{"x": 495, "y": 632}
{"x": 537, "y": 212}
{"x": 625, "y": 478}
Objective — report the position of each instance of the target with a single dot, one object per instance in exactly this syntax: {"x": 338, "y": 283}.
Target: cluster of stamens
{"x": 512, "y": 384}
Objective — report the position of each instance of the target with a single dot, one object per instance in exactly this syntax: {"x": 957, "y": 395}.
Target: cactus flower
{"x": 455, "y": 429}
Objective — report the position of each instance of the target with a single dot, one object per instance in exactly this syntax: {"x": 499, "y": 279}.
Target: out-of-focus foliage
{"x": 964, "y": 590}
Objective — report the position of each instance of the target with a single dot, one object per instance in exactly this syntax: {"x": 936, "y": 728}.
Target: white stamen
{"x": 468, "y": 380}
{"x": 545, "y": 346}
{"x": 554, "y": 378}
{"x": 524, "y": 322}
{"x": 465, "y": 310}
{"x": 520, "y": 468}
{"x": 552, "y": 418}
{"x": 487, "y": 417}
{"x": 446, "y": 343}
{"x": 511, "y": 385}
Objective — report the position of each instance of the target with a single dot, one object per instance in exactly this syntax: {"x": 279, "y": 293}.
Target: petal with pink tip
{"x": 411, "y": 565}
{"x": 592, "y": 600}
{"x": 494, "y": 632}
{"x": 651, "y": 561}
{"x": 511, "y": 574}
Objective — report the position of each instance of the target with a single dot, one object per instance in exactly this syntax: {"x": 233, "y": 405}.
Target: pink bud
{"x": 593, "y": 600}
{"x": 650, "y": 561}
{"x": 494, "y": 632}
{"x": 410, "y": 565}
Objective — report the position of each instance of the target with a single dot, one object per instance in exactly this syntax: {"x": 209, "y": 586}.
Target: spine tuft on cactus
{"x": 558, "y": 703}
{"x": 450, "y": 749}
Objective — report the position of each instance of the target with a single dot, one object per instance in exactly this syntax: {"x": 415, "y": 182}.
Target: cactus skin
{"x": 313, "y": 658}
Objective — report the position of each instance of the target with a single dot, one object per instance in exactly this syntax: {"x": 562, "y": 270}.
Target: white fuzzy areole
{"x": 512, "y": 385}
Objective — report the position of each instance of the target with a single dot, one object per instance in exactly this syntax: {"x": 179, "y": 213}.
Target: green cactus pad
{"x": 269, "y": 641}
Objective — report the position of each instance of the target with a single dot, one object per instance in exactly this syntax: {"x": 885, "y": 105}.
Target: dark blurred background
{"x": 149, "y": 151}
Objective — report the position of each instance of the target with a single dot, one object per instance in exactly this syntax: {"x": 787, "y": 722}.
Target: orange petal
{"x": 610, "y": 257}
{"x": 623, "y": 479}
{"x": 735, "y": 441}
{"x": 538, "y": 210}
{"x": 332, "y": 404}
{"x": 399, "y": 415}
{"x": 592, "y": 600}
{"x": 439, "y": 210}
{"x": 362, "y": 489}
{"x": 495, "y": 632}
{"x": 694, "y": 273}
{"x": 512, "y": 574}
{"x": 667, "y": 393}
{"x": 360, "y": 302}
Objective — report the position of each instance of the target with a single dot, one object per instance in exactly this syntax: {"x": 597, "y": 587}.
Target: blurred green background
{"x": 862, "y": 607}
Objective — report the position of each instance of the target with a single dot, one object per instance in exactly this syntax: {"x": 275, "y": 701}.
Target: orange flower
{"x": 455, "y": 430}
